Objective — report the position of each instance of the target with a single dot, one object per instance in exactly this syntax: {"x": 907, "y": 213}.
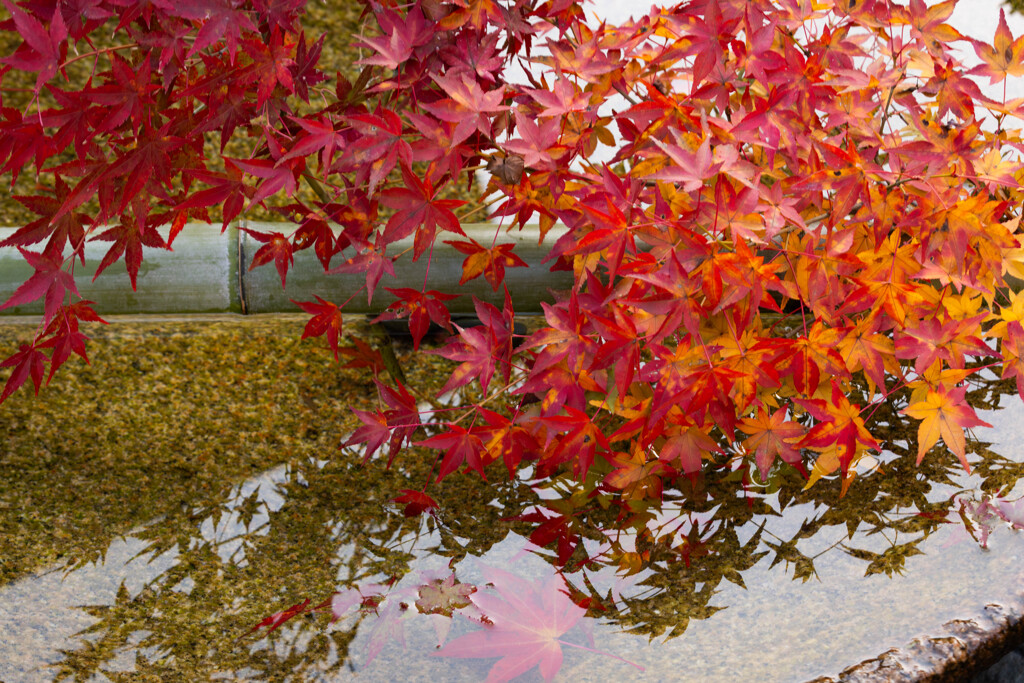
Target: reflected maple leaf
{"x": 526, "y": 623}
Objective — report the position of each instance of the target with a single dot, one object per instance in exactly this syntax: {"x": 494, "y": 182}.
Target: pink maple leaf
{"x": 526, "y": 623}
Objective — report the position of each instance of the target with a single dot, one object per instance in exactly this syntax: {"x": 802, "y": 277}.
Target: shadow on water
{"x": 150, "y": 545}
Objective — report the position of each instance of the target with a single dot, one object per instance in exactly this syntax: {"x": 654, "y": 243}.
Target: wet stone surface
{"x": 159, "y": 504}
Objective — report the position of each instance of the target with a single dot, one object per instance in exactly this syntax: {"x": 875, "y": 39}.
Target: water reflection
{"x": 319, "y": 553}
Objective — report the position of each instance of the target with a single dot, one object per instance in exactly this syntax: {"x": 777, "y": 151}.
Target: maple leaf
{"x": 221, "y": 20}
{"x": 444, "y": 596}
{"x": 689, "y": 447}
{"x": 128, "y": 239}
{"x": 27, "y": 362}
{"x": 276, "y": 248}
{"x": 525, "y": 624}
{"x": 928, "y": 23}
{"x": 392, "y": 426}
{"x": 953, "y": 91}
{"x": 315, "y": 232}
{"x": 277, "y": 619}
{"x": 401, "y": 36}
{"x": 418, "y": 211}
{"x": 227, "y": 190}
{"x": 944, "y": 412}
{"x": 1013, "y": 354}
{"x": 43, "y": 49}
{"x": 326, "y": 320}
{"x": 840, "y": 430}
{"x": 771, "y": 436}
{"x": 66, "y": 339}
{"x": 468, "y": 105}
{"x": 563, "y": 97}
{"x": 271, "y": 66}
{"x": 304, "y": 72}
{"x": 536, "y": 142}
{"x": 374, "y": 263}
{"x": 941, "y": 339}
{"x": 68, "y": 228}
{"x": 416, "y": 503}
{"x": 320, "y": 136}
{"x": 375, "y": 432}
{"x": 1004, "y": 57}
{"x": 478, "y": 56}
{"x": 689, "y": 168}
{"x": 490, "y": 263}
{"x": 49, "y": 280}
{"x": 363, "y": 356}
{"x": 421, "y": 307}
{"x": 378, "y": 148}
{"x": 276, "y": 177}
{"x": 478, "y": 350}
{"x": 580, "y": 442}
{"x": 127, "y": 93}
{"x": 637, "y": 477}
{"x": 461, "y": 446}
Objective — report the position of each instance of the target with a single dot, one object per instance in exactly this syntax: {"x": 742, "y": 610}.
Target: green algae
{"x": 166, "y": 415}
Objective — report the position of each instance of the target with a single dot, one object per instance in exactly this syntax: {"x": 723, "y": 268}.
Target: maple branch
{"x": 97, "y": 53}
{"x": 481, "y": 207}
{"x": 313, "y": 183}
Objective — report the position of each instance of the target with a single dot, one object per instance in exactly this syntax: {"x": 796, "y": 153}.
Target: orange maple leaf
{"x": 944, "y": 412}
{"x": 1004, "y": 57}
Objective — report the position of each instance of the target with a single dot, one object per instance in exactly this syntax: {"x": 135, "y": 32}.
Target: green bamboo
{"x": 201, "y": 275}
{"x": 194, "y": 278}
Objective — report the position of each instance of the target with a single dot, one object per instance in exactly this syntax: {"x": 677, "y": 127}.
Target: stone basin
{"x": 159, "y": 504}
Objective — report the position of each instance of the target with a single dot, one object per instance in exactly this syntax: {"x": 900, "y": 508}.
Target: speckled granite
{"x": 966, "y": 647}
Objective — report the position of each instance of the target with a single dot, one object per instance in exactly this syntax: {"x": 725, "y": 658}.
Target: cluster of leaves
{"x": 793, "y": 194}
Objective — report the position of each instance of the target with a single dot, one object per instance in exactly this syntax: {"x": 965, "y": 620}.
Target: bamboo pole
{"x": 202, "y": 275}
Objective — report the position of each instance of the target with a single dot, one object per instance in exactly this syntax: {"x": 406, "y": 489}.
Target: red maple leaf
{"x": 401, "y": 36}
{"x": 326, "y": 320}
{"x": 416, "y": 502}
{"x": 461, "y": 446}
{"x": 66, "y": 338}
{"x": 421, "y": 307}
{"x": 276, "y": 248}
{"x": 393, "y": 426}
{"x": 271, "y": 66}
{"x": 363, "y": 356}
{"x": 128, "y": 239}
{"x": 319, "y": 136}
{"x": 49, "y": 280}
{"x": 227, "y": 190}
{"x": 377, "y": 148}
{"x": 28, "y": 361}
{"x": 277, "y": 619}
{"x": 374, "y": 263}
{"x": 481, "y": 348}
{"x": 417, "y": 210}
{"x": 316, "y": 232}
{"x": 43, "y": 49}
